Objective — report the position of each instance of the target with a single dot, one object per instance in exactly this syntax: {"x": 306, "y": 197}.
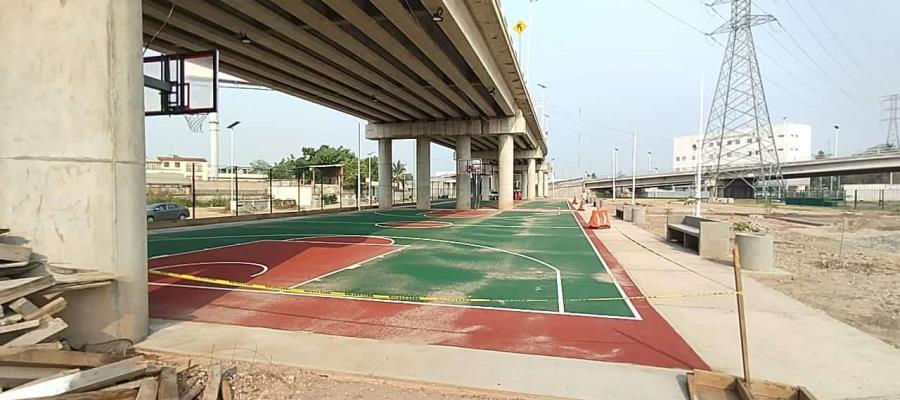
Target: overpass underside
{"x": 439, "y": 71}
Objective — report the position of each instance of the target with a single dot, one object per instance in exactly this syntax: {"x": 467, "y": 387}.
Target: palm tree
{"x": 399, "y": 174}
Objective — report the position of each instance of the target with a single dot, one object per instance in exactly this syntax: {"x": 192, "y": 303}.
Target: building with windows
{"x": 793, "y": 141}
{"x": 176, "y": 168}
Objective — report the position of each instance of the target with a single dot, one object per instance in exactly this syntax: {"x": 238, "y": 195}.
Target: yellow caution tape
{"x": 460, "y": 300}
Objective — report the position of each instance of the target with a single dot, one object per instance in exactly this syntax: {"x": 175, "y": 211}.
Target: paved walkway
{"x": 789, "y": 341}
{"x": 482, "y": 369}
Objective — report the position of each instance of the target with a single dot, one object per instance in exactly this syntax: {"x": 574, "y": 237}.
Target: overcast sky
{"x": 625, "y": 65}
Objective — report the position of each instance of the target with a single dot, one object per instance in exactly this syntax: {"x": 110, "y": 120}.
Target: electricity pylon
{"x": 738, "y": 143}
{"x": 892, "y": 109}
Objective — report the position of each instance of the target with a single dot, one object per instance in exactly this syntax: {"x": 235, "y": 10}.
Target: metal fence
{"x": 225, "y": 191}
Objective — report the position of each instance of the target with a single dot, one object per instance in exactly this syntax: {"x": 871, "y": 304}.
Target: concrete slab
{"x": 789, "y": 341}
{"x": 482, "y": 369}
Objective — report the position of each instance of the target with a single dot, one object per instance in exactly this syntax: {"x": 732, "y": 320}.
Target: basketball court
{"x": 528, "y": 281}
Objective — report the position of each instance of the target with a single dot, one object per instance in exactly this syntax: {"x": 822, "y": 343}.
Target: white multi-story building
{"x": 793, "y": 141}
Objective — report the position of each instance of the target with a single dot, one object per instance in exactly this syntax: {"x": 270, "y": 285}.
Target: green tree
{"x": 399, "y": 174}
{"x": 260, "y": 166}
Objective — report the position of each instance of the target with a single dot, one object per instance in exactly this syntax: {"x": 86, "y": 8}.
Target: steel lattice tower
{"x": 892, "y": 109}
{"x": 738, "y": 143}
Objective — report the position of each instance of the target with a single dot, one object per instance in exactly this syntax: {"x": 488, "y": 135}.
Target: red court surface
{"x": 650, "y": 341}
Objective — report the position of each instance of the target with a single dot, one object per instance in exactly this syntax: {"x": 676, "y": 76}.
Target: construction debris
{"x": 34, "y": 363}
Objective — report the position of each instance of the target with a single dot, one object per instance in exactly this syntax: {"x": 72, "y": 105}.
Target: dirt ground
{"x": 843, "y": 262}
{"x": 263, "y": 380}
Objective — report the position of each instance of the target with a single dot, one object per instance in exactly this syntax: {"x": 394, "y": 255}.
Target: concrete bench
{"x": 620, "y": 212}
{"x": 710, "y": 238}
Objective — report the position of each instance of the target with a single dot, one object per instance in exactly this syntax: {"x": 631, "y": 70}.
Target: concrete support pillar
{"x": 423, "y": 173}
{"x": 541, "y": 181}
{"x": 72, "y": 153}
{"x": 505, "y": 161}
{"x": 463, "y": 180}
{"x": 385, "y": 174}
{"x": 545, "y": 184}
{"x": 531, "y": 179}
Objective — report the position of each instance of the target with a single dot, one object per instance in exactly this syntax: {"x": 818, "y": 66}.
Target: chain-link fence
{"x": 237, "y": 190}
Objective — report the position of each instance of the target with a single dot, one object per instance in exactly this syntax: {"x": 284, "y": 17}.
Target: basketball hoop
{"x": 195, "y": 122}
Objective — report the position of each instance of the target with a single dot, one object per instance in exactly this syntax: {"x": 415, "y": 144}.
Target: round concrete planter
{"x": 605, "y": 203}
{"x": 757, "y": 251}
{"x": 638, "y": 215}
{"x": 629, "y": 209}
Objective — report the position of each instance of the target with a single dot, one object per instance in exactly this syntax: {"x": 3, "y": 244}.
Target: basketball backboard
{"x": 474, "y": 166}
{"x": 186, "y": 83}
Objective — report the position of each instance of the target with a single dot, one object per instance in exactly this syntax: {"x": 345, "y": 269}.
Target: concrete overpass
{"x": 72, "y": 143}
{"x": 439, "y": 71}
{"x": 803, "y": 169}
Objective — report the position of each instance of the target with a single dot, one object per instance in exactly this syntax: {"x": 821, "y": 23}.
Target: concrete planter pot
{"x": 638, "y": 215}
{"x": 628, "y": 213}
{"x": 757, "y": 251}
{"x": 605, "y": 203}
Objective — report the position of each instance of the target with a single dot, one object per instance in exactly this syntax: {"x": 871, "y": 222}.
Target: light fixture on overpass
{"x": 438, "y": 15}
{"x": 245, "y": 39}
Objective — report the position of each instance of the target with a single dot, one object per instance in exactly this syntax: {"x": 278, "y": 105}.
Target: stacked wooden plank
{"x": 46, "y": 371}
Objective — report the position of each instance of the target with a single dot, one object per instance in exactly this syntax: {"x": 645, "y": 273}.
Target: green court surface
{"x": 535, "y": 258}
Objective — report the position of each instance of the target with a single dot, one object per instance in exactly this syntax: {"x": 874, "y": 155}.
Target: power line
{"x": 769, "y": 81}
{"x": 673, "y": 16}
{"x": 822, "y": 45}
{"x": 835, "y": 37}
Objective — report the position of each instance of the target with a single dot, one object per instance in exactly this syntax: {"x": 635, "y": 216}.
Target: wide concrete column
{"x": 423, "y": 173}
{"x": 505, "y": 179}
{"x": 72, "y": 152}
{"x": 463, "y": 180}
{"x": 385, "y": 174}
{"x": 531, "y": 180}
{"x": 545, "y": 183}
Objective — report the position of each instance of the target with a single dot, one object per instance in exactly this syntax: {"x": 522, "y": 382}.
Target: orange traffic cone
{"x": 599, "y": 219}
{"x": 574, "y": 200}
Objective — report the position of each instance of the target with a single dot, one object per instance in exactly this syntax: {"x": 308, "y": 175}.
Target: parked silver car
{"x": 164, "y": 211}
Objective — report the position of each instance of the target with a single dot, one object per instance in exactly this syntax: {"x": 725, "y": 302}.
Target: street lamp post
{"x": 649, "y": 161}
{"x": 233, "y": 169}
{"x": 837, "y": 129}
{"x": 369, "y": 179}
{"x": 358, "y": 166}
{"x": 634, "y": 167}
{"x": 615, "y": 169}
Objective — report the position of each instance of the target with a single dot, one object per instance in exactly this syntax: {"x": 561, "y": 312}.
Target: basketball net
{"x": 195, "y": 122}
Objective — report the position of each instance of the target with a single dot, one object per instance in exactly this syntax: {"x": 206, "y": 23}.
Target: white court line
{"x": 561, "y": 305}
{"x": 353, "y": 266}
{"x": 415, "y": 303}
{"x": 204, "y": 249}
{"x": 263, "y": 268}
{"x": 606, "y": 267}
{"x": 559, "y": 287}
{"x": 382, "y": 224}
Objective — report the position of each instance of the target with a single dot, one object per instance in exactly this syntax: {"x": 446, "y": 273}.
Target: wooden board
{"x": 706, "y": 385}
{"x": 22, "y": 326}
{"x": 13, "y": 253}
{"x": 48, "y": 329}
{"x": 126, "y": 394}
{"x": 38, "y": 357}
{"x": 147, "y": 390}
{"x": 213, "y": 381}
{"x": 82, "y": 381}
{"x": 15, "y": 376}
{"x": 168, "y": 384}
{"x": 23, "y": 306}
{"x": 15, "y": 289}
{"x": 51, "y": 308}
